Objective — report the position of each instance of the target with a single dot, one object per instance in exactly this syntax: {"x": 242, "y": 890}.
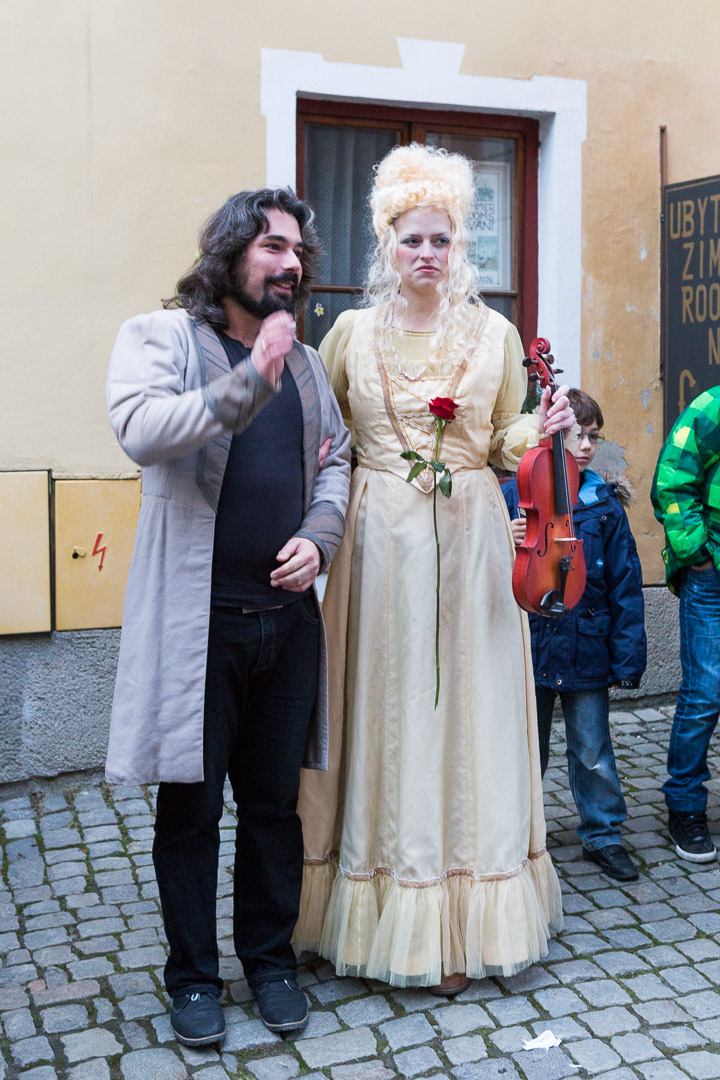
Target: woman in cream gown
{"x": 425, "y": 840}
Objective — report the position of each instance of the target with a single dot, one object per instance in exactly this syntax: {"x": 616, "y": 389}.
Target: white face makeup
{"x": 423, "y": 247}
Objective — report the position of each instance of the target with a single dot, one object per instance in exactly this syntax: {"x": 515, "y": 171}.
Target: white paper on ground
{"x": 543, "y": 1041}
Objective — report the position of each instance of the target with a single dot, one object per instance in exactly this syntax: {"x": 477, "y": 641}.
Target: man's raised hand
{"x": 273, "y": 343}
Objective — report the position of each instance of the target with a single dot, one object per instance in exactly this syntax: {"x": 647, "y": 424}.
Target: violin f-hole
{"x": 543, "y": 553}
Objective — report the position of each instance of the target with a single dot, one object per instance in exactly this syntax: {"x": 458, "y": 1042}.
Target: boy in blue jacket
{"x": 598, "y": 644}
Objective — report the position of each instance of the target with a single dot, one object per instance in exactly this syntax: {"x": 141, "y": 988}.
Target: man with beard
{"x": 222, "y": 658}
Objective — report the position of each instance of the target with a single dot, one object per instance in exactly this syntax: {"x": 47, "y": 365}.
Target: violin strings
{"x": 566, "y": 483}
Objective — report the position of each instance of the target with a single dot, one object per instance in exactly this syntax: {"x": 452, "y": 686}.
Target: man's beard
{"x": 269, "y": 301}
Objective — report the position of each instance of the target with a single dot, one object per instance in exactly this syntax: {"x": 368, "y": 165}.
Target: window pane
{"x": 504, "y": 304}
{"x": 321, "y": 312}
{"x": 338, "y": 177}
{"x": 490, "y": 226}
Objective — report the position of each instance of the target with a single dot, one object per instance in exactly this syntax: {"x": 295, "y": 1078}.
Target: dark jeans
{"x": 592, "y": 772}
{"x": 260, "y": 689}
{"x": 698, "y": 704}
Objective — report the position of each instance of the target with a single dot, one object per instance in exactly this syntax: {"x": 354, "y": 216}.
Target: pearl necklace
{"x": 399, "y": 362}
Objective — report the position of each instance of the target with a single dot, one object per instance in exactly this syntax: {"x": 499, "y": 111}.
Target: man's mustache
{"x": 283, "y": 279}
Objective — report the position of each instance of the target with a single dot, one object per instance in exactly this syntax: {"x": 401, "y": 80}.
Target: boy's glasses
{"x": 593, "y": 437}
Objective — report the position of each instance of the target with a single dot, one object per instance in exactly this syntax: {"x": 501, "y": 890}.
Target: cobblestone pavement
{"x": 629, "y": 986}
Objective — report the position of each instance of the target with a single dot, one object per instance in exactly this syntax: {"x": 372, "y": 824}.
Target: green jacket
{"x": 686, "y": 488}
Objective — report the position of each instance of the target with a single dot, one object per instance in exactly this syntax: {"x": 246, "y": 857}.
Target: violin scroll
{"x": 540, "y": 348}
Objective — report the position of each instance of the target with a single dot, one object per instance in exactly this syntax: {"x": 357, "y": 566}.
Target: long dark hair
{"x": 223, "y": 241}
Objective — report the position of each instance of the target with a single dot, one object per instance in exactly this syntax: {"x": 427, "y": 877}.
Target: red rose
{"x": 443, "y": 407}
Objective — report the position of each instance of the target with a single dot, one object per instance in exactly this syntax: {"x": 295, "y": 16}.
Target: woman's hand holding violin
{"x": 555, "y": 415}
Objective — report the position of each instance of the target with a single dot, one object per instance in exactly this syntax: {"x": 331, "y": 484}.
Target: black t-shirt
{"x": 261, "y": 499}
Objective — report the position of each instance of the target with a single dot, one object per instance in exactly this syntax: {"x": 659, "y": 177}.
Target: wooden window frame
{"x": 412, "y": 125}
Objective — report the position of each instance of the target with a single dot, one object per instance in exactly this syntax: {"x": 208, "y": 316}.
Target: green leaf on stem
{"x": 411, "y": 455}
{"x": 437, "y": 466}
{"x": 415, "y": 471}
{"x": 445, "y": 483}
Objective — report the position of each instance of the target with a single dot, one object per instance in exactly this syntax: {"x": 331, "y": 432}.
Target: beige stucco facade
{"x": 131, "y": 121}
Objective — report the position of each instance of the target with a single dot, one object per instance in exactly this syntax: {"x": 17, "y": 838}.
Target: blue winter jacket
{"x": 601, "y": 641}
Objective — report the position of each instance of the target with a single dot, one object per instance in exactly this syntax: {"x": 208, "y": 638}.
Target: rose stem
{"x": 440, "y": 426}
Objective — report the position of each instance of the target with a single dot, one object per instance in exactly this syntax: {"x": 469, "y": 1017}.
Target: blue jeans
{"x": 698, "y": 701}
{"x": 261, "y": 685}
{"x": 592, "y": 772}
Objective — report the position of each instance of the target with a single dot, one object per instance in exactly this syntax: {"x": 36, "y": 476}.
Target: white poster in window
{"x": 489, "y": 225}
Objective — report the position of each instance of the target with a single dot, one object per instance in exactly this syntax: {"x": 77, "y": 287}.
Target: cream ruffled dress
{"x": 425, "y": 840}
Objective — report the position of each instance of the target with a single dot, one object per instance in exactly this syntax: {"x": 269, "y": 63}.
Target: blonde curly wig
{"x": 415, "y": 175}
{"x": 411, "y": 177}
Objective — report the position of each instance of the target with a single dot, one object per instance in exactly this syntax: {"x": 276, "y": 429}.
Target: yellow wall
{"x": 132, "y": 120}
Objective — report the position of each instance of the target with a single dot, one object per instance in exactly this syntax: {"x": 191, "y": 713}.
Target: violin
{"x": 549, "y": 572}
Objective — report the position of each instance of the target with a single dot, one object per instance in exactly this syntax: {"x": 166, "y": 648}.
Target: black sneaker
{"x": 282, "y": 1004}
{"x": 197, "y": 1019}
{"x": 614, "y": 861}
{"x": 690, "y": 834}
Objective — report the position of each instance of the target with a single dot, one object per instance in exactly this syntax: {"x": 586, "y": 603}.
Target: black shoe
{"x": 689, "y": 832}
{"x": 197, "y": 1019}
{"x": 614, "y": 861}
{"x": 282, "y": 1004}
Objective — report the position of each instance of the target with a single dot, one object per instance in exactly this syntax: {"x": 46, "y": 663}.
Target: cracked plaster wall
{"x": 55, "y": 701}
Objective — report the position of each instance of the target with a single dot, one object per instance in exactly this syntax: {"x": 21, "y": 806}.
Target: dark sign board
{"x": 690, "y": 327}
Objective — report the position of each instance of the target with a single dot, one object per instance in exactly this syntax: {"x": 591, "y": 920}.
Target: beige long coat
{"x": 174, "y": 404}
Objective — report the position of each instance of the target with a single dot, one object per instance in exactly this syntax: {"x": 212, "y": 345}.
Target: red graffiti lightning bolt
{"x": 99, "y": 550}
